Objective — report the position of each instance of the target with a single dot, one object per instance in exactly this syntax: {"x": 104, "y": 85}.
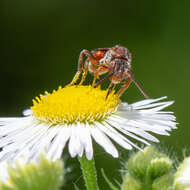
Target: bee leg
{"x": 95, "y": 78}
{"x": 104, "y": 79}
{"x": 111, "y": 87}
{"x": 75, "y": 78}
{"x": 81, "y": 65}
{"x": 124, "y": 87}
{"x": 84, "y": 73}
{"x": 140, "y": 88}
{"x": 97, "y": 73}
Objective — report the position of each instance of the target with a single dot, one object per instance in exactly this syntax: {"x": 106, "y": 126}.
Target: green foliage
{"x": 112, "y": 186}
{"x": 44, "y": 175}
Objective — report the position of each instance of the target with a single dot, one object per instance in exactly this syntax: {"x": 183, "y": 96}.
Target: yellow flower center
{"x": 74, "y": 104}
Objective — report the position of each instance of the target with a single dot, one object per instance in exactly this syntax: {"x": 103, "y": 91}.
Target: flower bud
{"x": 163, "y": 183}
{"x": 148, "y": 169}
{"x": 139, "y": 162}
{"x": 130, "y": 183}
{"x": 182, "y": 176}
{"x": 42, "y": 175}
{"x": 158, "y": 167}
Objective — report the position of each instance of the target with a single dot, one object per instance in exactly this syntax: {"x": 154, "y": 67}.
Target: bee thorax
{"x": 107, "y": 58}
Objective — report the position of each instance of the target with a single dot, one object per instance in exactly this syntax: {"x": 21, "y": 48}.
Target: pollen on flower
{"x": 74, "y": 104}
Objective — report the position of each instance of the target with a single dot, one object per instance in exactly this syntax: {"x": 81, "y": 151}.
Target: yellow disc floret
{"x": 74, "y": 104}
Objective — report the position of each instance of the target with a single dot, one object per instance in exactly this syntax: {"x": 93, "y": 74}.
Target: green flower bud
{"x": 42, "y": 175}
{"x": 148, "y": 170}
{"x": 182, "y": 176}
{"x": 139, "y": 162}
{"x": 163, "y": 183}
{"x": 131, "y": 183}
{"x": 158, "y": 167}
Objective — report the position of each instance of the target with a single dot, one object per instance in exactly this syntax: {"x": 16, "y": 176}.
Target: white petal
{"x": 56, "y": 147}
{"x": 75, "y": 146}
{"x": 85, "y": 139}
{"x": 124, "y": 129}
{"x": 41, "y": 141}
{"x": 64, "y": 136}
{"x": 27, "y": 112}
{"x": 104, "y": 141}
{"x": 19, "y": 146}
{"x": 121, "y": 140}
{"x": 147, "y": 101}
{"x": 9, "y": 126}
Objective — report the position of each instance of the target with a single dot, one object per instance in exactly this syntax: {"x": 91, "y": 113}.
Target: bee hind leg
{"x": 140, "y": 88}
{"x": 124, "y": 87}
{"x": 110, "y": 88}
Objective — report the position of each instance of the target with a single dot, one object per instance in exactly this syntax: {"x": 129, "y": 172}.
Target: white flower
{"x": 78, "y": 114}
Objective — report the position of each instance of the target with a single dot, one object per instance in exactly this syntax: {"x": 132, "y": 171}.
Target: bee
{"x": 115, "y": 61}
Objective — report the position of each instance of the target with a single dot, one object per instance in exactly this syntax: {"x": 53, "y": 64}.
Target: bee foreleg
{"x": 81, "y": 65}
{"x": 84, "y": 73}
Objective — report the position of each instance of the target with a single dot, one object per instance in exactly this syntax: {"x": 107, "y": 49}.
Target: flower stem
{"x": 89, "y": 173}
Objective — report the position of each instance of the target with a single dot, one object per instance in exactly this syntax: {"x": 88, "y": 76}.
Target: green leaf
{"x": 112, "y": 186}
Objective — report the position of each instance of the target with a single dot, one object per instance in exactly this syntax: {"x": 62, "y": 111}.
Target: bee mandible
{"x": 116, "y": 61}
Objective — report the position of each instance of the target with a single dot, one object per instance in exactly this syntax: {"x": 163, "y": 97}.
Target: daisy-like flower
{"x": 78, "y": 114}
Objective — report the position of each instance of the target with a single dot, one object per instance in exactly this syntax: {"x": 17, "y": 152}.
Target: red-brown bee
{"x": 116, "y": 61}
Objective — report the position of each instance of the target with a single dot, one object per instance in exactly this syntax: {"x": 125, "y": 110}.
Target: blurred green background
{"x": 42, "y": 40}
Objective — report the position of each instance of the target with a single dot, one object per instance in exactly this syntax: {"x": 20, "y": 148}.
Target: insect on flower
{"x": 116, "y": 61}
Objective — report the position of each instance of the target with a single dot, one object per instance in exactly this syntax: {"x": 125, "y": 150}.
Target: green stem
{"x": 89, "y": 173}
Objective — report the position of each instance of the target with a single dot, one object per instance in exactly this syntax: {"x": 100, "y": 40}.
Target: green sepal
{"x": 163, "y": 183}
{"x": 159, "y": 167}
{"x": 131, "y": 183}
